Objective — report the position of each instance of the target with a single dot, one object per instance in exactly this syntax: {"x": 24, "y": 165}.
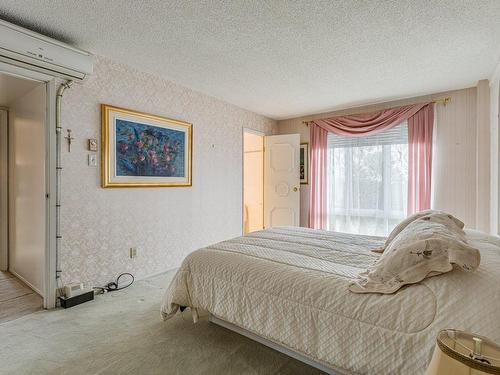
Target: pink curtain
{"x": 317, "y": 196}
{"x": 420, "y": 121}
{"x": 369, "y": 123}
{"x": 420, "y": 128}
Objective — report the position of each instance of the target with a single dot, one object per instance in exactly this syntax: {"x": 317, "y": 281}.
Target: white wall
{"x": 461, "y": 185}
{"x": 165, "y": 224}
{"x": 253, "y": 182}
{"x": 27, "y": 187}
{"x": 483, "y": 152}
{"x": 495, "y": 151}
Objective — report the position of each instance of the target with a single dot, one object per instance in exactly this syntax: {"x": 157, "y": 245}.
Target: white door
{"x": 281, "y": 180}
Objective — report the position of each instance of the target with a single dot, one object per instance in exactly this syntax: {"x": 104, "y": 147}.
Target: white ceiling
{"x": 284, "y": 58}
{"x": 12, "y": 88}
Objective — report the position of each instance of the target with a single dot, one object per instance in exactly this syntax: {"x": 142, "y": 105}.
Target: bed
{"x": 288, "y": 288}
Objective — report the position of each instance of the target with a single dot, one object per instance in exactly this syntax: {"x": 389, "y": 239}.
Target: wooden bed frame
{"x": 272, "y": 345}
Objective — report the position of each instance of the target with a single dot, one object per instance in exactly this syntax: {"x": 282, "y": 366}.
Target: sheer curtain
{"x": 367, "y": 181}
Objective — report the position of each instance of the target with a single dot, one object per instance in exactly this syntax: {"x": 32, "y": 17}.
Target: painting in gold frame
{"x": 143, "y": 150}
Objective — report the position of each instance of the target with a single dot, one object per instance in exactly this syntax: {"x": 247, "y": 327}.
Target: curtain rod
{"x": 442, "y": 101}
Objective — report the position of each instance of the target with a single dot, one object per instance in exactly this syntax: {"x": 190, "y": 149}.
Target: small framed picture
{"x": 304, "y": 163}
{"x": 143, "y": 150}
{"x": 92, "y": 145}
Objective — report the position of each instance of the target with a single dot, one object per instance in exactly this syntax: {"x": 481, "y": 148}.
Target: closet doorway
{"x": 253, "y": 181}
{"x": 23, "y": 114}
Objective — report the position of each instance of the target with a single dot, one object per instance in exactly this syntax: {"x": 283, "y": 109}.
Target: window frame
{"x": 386, "y": 213}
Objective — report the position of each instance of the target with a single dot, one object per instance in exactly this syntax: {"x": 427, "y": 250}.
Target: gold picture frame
{"x": 143, "y": 150}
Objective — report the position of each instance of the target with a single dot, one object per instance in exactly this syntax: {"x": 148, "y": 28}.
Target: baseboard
{"x": 31, "y": 286}
{"x": 155, "y": 274}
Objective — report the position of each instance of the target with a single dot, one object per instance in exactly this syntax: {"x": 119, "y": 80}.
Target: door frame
{"x": 4, "y": 190}
{"x": 496, "y": 92}
{"x": 260, "y": 133}
{"x": 49, "y": 282}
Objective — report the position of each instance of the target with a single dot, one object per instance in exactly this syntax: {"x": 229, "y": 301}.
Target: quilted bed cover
{"x": 290, "y": 286}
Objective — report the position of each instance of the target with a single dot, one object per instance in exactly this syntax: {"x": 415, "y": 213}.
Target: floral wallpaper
{"x": 99, "y": 226}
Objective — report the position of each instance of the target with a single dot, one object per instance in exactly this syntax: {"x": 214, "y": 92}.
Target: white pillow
{"x": 428, "y": 246}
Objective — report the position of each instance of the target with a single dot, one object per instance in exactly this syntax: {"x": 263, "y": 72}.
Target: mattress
{"x": 290, "y": 286}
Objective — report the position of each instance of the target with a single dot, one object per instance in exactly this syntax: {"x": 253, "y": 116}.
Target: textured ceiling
{"x": 284, "y": 58}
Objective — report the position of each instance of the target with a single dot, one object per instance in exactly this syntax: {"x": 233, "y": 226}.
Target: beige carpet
{"x": 16, "y": 299}
{"x": 122, "y": 333}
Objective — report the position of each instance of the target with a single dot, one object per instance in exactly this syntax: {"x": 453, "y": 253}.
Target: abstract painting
{"x": 304, "y": 163}
{"x": 142, "y": 150}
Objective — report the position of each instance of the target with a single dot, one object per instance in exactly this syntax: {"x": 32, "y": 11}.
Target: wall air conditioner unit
{"x": 24, "y": 48}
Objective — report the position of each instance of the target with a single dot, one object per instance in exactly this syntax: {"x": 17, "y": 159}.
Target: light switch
{"x": 92, "y": 160}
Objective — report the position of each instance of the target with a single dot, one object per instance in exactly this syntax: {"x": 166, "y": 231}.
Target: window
{"x": 367, "y": 181}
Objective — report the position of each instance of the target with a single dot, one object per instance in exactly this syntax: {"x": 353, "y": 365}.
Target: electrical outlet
{"x": 133, "y": 252}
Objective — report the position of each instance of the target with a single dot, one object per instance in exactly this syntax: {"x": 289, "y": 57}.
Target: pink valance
{"x": 369, "y": 123}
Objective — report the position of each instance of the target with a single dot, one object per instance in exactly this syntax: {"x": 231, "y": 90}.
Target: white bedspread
{"x": 290, "y": 285}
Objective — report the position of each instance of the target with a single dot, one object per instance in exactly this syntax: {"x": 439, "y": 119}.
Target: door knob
{"x": 295, "y": 188}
